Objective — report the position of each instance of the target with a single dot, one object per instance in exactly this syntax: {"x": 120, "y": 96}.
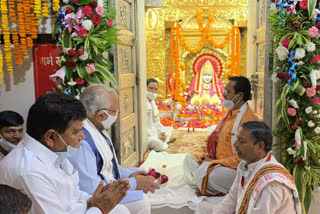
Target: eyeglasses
{"x": 106, "y": 109}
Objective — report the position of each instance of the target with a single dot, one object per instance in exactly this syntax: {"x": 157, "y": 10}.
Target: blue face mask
{"x": 70, "y": 150}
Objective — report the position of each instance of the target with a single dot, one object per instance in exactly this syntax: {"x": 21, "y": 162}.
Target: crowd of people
{"x": 66, "y": 161}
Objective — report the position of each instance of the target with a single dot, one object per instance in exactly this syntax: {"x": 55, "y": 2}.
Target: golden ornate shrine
{"x": 158, "y": 23}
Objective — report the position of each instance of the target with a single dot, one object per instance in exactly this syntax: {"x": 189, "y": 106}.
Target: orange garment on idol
{"x": 224, "y": 154}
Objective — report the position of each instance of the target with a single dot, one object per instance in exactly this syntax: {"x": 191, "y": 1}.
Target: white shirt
{"x": 50, "y": 182}
{"x": 275, "y": 198}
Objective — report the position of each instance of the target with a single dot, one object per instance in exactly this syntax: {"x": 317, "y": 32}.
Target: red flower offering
{"x": 96, "y": 19}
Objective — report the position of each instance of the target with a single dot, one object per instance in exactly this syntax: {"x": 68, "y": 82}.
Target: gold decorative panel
{"x": 158, "y": 22}
{"x": 123, "y": 15}
{"x": 124, "y": 59}
{"x": 127, "y": 142}
{"x": 126, "y": 102}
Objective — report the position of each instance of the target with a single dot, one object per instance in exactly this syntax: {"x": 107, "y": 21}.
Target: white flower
{"x": 307, "y": 168}
{"x": 314, "y": 14}
{"x": 290, "y": 151}
{"x": 273, "y": 7}
{"x": 313, "y": 78}
{"x": 317, "y": 74}
{"x": 74, "y": 34}
{"x": 300, "y": 63}
{"x": 274, "y": 78}
{"x": 66, "y": 1}
{"x": 308, "y": 110}
{"x": 105, "y": 54}
{"x": 317, "y": 130}
{"x": 296, "y": 1}
{"x": 317, "y": 116}
{"x": 71, "y": 83}
{"x": 310, "y": 46}
{"x": 300, "y": 53}
{"x": 84, "y": 56}
{"x": 282, "y": 53}
{"x": 310, "y": 123}
{"x": 100, "y": 3}
{"x": 315, "y": 112}
{"x": 87, "y": 24}
{"x": 65, "y": 50}
{"x": 293, "y": 103}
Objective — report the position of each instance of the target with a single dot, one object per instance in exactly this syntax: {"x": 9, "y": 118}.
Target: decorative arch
{"x": 214, "y": 60}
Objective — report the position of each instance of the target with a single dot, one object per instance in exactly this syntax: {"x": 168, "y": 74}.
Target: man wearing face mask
{"x": 39, "y": 166}
{"x": 213, "y": 172}
{"x": 11, "y": 131}
{"x": 96, "y": 160}
{"x": 158, "y": 135}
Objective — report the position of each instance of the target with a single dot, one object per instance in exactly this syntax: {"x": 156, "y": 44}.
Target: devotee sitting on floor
{"x": 11, "y": 131}
{"x": 39, "y": 165}
{"x": 262, "y": 185}
{"x": 97, "y": 160}
{"x": 158, "y": 135}
{"x": 213, "y": 173}
{"x": 12, "y": 201}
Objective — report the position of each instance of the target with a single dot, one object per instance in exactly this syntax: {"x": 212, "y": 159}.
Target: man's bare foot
{"x": 172, "y": 140}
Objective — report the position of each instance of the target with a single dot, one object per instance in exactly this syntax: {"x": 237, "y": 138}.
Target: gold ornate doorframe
{"x": 158, "y": 21}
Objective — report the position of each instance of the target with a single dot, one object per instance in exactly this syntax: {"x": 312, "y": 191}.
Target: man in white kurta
{"x": 158, "y": 135}
{"x": 262, "y": 185}
{"x": 41, "y": 170}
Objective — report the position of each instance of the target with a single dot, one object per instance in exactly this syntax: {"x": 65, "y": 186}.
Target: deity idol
{"x": 207, "y": 85}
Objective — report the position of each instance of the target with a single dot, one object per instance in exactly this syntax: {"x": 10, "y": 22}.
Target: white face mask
{"x": 109, "y": 121}
{"x": 6, "y": 144}
{"x": 70, "y": 150}
{"x": 228, "y": 104}
{"x": 151, "y": 95}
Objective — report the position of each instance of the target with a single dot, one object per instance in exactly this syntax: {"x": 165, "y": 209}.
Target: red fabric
{"x": 213, "y": 138}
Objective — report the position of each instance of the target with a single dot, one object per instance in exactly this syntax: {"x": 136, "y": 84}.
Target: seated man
{"x": 96, "y": 159}
{"x": 262, "y": 185}
{"x": 158, "y": 136}
{"x": 39, "y": 165}
{"x": 11, "y": 131}
{"x": 12, "y": 201}
{"x": 213, "y": 173}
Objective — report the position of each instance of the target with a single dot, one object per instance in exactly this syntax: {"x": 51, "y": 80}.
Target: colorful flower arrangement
{"x": 85, "y": 31}
{"x": 295, "y": 25}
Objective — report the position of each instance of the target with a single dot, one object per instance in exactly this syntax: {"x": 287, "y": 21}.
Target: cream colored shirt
{"x": 275, "y": 198}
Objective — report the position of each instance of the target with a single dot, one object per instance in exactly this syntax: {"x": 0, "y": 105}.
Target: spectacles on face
{"x": 114, "y": 112}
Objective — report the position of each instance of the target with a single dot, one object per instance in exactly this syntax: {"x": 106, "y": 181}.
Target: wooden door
{"x": 124, "y": 134}
{"x": 260, "y": 78}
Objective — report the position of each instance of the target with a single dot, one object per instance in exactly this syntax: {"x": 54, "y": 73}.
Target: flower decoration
{"x": 82, "y": 32}
{"x": 295, "y": 25}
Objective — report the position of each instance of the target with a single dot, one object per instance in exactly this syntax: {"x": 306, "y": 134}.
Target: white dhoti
{"x": 120, "y": 209}
{"x": 139, "y": 207}
{"x": 220, "y": 179}
{"x": 158, "y": 145}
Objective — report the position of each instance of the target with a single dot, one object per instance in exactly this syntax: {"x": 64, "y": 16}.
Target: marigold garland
{"x": 37, "y": 11}
{"x": 6, "y": 35}
{"x": 45, "y": 8}
{"x": 1, "y": 71}
{"x": 16, "y": 44}
{"x": 55, "y": 5}
{"x": 12, "y": 11}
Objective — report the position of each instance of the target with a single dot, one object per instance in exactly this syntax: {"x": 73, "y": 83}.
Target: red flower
{"x": 75, "y": 1}
{"x": 313, "y": 120}
{"x": 109, "y": 24}
{"x": 318, "y": 87}
{"x": 300, "y": 161}
{"x": 306, "y": 85}
{"x": 92, "y": 4}
{"x": 164, "y": 179}
{"x": 280, "y": 75}
{"x": 80, "y": 52}
{"x": 296, "y": 25}
{"x": 294, "y": 128}
{"x": 285, "y": 43}
{"x": 315, "y": 100}
{"x": 87, "y": 11}
{"x": 79, "y": 81}
{"x": 96, "y": 19}
{"x": 318, "y": 25}
{"x": 300, "y": 121}
{"x": 71, "y": 63}
{"x": 315, "y": 59}
{"x": 72, "y": 52}
{"x": 286, "y": 76}
{"x": 304, "y": 4}
{"x": 81, "y": 32}
{"x": 68, "y": 10}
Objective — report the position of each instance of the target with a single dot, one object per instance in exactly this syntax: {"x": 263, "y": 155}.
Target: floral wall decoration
{"x": 20, "y": 19}
{"x": 85, "y": 32}
{"x": 295, "y": 25}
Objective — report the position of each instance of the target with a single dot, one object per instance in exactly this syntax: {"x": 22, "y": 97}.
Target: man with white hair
{"x": 96, "y": 159}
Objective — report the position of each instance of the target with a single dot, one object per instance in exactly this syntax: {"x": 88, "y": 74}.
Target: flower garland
{"x": 85, "y": 32}
{"x": 295, "y": 26}
{"x": 6, "y": 35}
{"x": 45, "y": 8}
{"x": 37, "y": 11}
{"x": 55, "y": 5}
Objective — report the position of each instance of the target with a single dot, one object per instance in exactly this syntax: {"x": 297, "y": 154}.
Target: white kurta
{"x": 275, "y": 197}
{"x": 50, "y": 182}
{"x": 155, "y": 128}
